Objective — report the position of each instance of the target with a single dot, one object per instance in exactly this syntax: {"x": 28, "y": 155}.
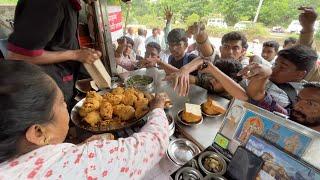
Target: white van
{"x": 295, "y": 26}
{"x": 243, "y": 25}
{"x": 217, "y": 22}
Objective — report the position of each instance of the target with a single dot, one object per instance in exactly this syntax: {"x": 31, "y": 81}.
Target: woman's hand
{"x": 159, "y": 101}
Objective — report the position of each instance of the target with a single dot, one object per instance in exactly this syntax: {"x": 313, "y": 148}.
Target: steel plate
{"x": 77, "y": 120}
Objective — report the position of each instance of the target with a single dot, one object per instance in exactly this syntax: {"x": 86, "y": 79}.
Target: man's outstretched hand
{"x": 307, "y": 18}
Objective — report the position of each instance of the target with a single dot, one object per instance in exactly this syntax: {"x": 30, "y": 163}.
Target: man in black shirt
{"x": 45, "y": 33}
{"x": 178, "y": 43}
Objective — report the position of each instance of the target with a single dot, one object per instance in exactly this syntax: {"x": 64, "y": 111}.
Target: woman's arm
{"x": 125, "y": 158}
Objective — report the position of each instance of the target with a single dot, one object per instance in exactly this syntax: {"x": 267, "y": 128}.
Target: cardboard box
{"x": 99, "y": 74}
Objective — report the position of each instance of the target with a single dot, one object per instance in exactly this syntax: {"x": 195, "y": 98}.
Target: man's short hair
{"x": 272, "y": 44}
{"x": 235, "y": 36}
{"x": 230, "y": 68}
{"x": 312, "y": 85}
{"x": 129, "y": 40}
{"x": 177, "y": 35}
{"x": 303, "y": 57}
{"x": 154, "y": 45}
{"x": 155, "y": 29}
{"x": 140, "y": 32}
{"x": 290, "y": 40}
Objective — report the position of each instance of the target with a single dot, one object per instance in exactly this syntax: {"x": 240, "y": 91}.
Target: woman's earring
{"x": 46, "y": 141}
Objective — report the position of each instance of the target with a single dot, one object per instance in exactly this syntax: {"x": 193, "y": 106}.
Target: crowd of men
{"x": 286, "y": 80}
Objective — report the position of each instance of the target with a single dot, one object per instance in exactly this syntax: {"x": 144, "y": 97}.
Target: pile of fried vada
{"x": 118, "y": 106}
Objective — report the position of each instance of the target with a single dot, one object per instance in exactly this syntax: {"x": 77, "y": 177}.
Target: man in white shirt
{"x": 130, "y": 33}
{"x": 139, "y": 45}
{"x": 270, "y": 51}
{"x": 155, "y": 37}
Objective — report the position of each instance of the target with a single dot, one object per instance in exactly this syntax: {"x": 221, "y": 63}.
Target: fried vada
{"x": 117, "y": 90}
{"x": 114, "y": 99}
{"x": 106, "y": 110}
{"x": 124, "y": 112}
{"x": 143, "y": 102}
{"x": 94, "y": 95}
{"x": 211, "y": 107}
{"x": 90, "y": 104}
{"x": 93, "y": 118}
{"x": 141, "y": 111}
{"x": 129, "y": 98}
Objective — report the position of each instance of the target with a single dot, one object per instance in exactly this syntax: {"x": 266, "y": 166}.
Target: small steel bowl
{"x": 213, "y": 177}
{"x": 180, "y": 151}
{"x": 188, "y": 173}
{"x": 217, "y": 157}
{"x": 179, "y": 116}
{"x": 147, "y": 88}
{"x": 208, "y": 115}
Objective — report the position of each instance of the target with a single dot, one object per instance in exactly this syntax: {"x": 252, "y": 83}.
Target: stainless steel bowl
{"x": 148, "y": 87}
{"x": 217, "y": 157}
{"x": 179, "y": 117}
{"x": 180, "y": 151}
{"x": 188, "y": 173}
{"x": 213, "y": 177}
{"x": 208, "y": 115}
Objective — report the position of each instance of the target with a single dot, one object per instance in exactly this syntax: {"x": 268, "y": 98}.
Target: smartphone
{"x": 244, "y": 165}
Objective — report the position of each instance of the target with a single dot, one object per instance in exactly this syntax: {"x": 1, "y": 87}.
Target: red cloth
{"x": 26, "y": 52}
{"x": 76, "y": 4}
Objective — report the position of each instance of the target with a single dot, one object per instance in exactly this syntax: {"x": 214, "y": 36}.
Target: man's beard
{"x": 315, "y": 121}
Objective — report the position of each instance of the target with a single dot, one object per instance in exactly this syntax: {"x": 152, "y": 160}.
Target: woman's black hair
{"x": 27, "y": 96}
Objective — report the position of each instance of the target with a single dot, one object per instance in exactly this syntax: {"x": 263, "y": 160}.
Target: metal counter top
{"x": 202, "y": 134}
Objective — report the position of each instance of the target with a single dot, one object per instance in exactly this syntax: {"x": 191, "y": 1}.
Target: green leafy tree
{"x": 192, "y": 19}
